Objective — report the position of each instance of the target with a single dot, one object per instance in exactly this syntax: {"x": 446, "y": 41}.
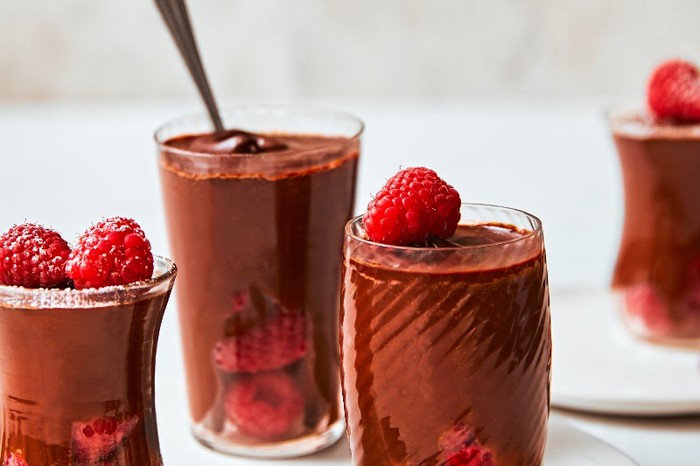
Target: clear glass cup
{"x": 446, "y": 352}
{"x": 77, "y": 378}
{"x": 258, "y": 240}
{"x": 657, "y": 273}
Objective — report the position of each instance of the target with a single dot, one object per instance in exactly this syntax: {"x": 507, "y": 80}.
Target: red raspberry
{"x": 414, "y": 204}
{"x": 15, "y": 460}
{"x": 264, "y": 406}
{"x": 644, "y": 307}
{"x": 100, "y": 441}
{"x": 273, "y": 344}
{"x": 472, "y": 455}
{"x": 115, "y": 251}
{"x": 674, "y": 91}
{"x": 461, "y": 448}
{"x": 33, "y": 256}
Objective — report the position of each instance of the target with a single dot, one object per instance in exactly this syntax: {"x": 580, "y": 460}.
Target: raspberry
{"x": 15, "y": 460}
{"x": 115, "y": 251}
{"x": 461, "y": 448}
{"x": 272, "y": 344}
{"x": 100, "y": 441}
{"x": 414, "y": 204}
{"x": 643, "y": 306}
{"x": 33, "y": 256}
{"x": 264, "y": 405}
{"x": 674, "y": 91}
{"x": 472, "y": 455}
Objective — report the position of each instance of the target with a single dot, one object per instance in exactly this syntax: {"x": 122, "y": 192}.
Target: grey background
{"x": 297, "y": 49}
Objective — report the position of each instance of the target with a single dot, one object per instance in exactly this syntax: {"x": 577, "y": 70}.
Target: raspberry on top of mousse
{"x": 673, "y": 91}
{"x": 413, "y": 205}
{"x": 115, "y": 251}
{"x": 33, "y": 256}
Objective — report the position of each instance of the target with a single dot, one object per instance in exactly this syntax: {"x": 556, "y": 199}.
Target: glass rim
{"x": 269, "y": 109}
{"x": 68, "y": 298}
{"x": 623, "y": 109}
{"x": 612, "y": 110}
{"x": 637, "y": 122}
{"x": 530, "y": 234}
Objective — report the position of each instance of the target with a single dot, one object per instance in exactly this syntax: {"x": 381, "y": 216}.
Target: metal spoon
{"x": 174, "y": 13}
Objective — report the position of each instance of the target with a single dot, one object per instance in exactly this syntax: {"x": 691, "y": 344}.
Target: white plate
{"x": 566, "y": 446}
{"x": 599, "y": 367}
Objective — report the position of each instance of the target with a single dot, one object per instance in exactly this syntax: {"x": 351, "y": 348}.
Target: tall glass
{"x": 657, "y": 274}
{"x": 258, "y": 239}
{"x": 77, "y": 378}
{"x": 446, "y": 352}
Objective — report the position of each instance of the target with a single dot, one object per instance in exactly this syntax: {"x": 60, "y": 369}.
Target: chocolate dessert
{"x": 255, "y": 223}
{"x": 77, "y": 373}
{"x": 446, "y": 350}
{"x": 658, "y": 266}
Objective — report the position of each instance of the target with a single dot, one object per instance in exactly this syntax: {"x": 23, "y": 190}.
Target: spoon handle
{"x": 175, "y": 16}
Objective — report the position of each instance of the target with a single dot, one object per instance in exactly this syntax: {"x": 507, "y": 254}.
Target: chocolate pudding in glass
{"x": 77, "y": 379}
{"x": 657, "y": 274}
{"x": 256, "y": 217}
{"x": 446, "y": 351}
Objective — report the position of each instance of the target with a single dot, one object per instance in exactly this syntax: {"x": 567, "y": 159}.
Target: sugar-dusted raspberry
{"x": 33, "y": 256}
{"x": 674, "y": 91}
{"x": 114, "y": 251}
{"x": 15, "y": 459}
{"x": 414, "y": 204}
{"x": 265, "y": 405}
{"x": 100, "y": 441}
{"x": 460, "y": 447}
{"x": 272, "y": 344}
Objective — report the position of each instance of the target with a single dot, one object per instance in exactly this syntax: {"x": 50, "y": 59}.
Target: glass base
{"x": 648, "y": 318}
{"x": 285, "y": 449}
{"x": 639, "y": 330}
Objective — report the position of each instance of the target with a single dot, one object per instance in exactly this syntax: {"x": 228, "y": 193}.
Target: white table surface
{"x": 68, "y": 165}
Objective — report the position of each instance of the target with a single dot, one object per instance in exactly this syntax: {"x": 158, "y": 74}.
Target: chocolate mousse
{"x": 658, "y": 266}
{"x": 446, "y": 350}
{"x": 255, "y": 224}
{"x": 77, "y": 374}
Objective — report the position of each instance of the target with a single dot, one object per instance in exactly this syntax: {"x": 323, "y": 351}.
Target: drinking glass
{"x": 657, "y": 273}
{"x": 258, "y": 240}
{"x": 446, "y": 351}
{"x": 77, "y": 378}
